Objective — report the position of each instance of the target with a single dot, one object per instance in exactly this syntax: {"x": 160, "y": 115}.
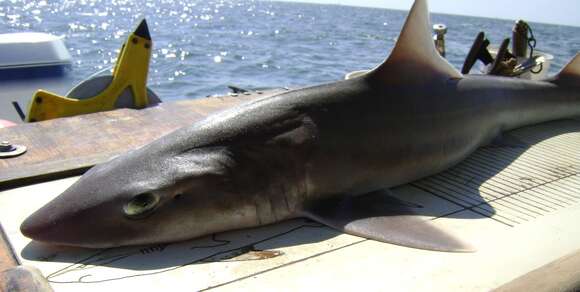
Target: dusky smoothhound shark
{"x": 322, "y": 152}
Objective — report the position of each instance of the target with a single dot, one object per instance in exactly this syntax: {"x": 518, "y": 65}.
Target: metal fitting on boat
{"x": 8, "y": 150}
{"x": 520, "y": 39}
{"x": 5, "y": 146}
{"x": 439, "y": 37}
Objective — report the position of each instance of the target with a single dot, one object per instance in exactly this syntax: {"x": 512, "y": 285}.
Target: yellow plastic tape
{"x": 130, "y": 72}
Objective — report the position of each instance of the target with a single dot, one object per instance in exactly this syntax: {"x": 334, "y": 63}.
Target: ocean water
{"x": 202, "y": 46}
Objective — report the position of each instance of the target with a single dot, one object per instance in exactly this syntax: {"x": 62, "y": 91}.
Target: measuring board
{"x": 517, "y": 206}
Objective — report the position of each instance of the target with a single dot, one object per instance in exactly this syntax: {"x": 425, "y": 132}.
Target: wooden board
{"x": 518, "y": 206}
{"x": 7, "y": 257}
{"x": 68, "y": 146}
{"x": 560, "y": 275}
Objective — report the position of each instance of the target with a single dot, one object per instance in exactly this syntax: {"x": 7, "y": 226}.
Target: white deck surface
{"x": 518, "y": 206}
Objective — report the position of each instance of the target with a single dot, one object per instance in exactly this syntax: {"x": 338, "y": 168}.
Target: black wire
{"x": 531, "y": 41}
{"x": 532, "y": 44}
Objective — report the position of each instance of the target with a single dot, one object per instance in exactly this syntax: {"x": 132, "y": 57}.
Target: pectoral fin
{"x": 381, "y": 217}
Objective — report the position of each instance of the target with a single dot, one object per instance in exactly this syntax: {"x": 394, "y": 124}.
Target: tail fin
{"x": 570, "y": 74}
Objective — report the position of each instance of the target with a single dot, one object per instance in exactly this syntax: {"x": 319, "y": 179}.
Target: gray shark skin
{"x": 321, "y": 152}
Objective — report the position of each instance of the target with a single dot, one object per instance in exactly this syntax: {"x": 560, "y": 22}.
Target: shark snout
{"x": 66, "y": 224}
{"x": 51, "y": 226}
{"x": 36, "y": 227}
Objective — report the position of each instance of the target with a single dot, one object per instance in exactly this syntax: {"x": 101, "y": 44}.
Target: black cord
{"x": 531, "y": 41}
{"x": 532, "y": 44}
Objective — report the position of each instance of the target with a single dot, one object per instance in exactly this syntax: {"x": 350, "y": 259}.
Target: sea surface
{"x": 200, "y": 47}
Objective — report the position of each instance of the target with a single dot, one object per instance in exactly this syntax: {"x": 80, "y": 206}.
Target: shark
{"x": 330, "y": 153}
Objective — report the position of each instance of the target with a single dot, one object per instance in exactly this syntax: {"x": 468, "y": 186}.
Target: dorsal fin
{"x": 415, "y": 60}
{"x": 570, "y": 74}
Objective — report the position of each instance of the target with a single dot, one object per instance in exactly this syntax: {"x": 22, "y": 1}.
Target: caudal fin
{"x": 570, "y": 74}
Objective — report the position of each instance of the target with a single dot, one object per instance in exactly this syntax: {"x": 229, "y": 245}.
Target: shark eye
{"x": 141, "y": 206}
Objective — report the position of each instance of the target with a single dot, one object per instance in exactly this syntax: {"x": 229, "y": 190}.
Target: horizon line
{"x": 431, "y": 12}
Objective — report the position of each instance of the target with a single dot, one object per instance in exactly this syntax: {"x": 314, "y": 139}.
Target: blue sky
{"x": 547, "y": 11}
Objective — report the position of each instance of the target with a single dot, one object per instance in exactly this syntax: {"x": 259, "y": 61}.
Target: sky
{"x": 565, "y": 12}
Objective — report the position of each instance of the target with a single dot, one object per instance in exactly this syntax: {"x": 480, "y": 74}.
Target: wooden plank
{"x": 7, "y": 257}
{"x": 67, "y": 146}
{"x": 560, "y": 275}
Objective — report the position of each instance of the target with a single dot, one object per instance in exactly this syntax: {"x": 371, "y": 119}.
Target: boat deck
{"x": 519, "y": 206}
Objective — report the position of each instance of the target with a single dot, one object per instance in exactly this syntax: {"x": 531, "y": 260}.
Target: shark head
{"x": 184, "y": 185}
{"x": 141, "y": 198}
